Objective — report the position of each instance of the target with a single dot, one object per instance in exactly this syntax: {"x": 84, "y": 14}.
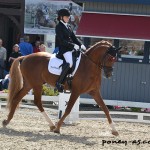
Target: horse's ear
{"x": 117, "y": 49}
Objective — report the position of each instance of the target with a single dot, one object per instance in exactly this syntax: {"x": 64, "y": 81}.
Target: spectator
{"x": 42, "y": 48}
{"x": 4, "y": 82}
{"x": 3, "y": 55}
{"x": 26, "y": 47}
{"x": 15, "y": 54}
{"x": 36, "y": 47}
{"x": 133, "y": 51}
{"x": 124, "y": 50}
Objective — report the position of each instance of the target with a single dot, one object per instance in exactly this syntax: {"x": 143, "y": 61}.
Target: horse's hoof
{"x": 52, "y": 128}
{"x": 56, "y": 131}
{"x": 115, "y": 133}
{"x": 4, "y": 123}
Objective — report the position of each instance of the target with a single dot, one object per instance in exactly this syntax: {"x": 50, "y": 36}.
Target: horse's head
{"x": 103, "y": 55}
{"x": 109, "y": 59}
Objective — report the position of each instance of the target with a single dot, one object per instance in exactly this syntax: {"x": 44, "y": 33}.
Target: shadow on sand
{"x": 35, "y": 137}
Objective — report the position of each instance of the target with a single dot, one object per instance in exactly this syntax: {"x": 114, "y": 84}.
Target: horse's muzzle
{"x": 108, "y": 71}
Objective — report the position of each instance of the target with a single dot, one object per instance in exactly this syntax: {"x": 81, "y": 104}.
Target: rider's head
{"x": 64, "y": 15}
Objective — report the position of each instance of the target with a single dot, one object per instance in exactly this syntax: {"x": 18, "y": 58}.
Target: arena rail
{"x": 84, "y": 115}
{"x": 29, "y": 99}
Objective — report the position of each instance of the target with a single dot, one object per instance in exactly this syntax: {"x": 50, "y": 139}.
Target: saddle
{"x": 69, "y": 77}
{"x": 57, "y": 63}
{"x": 75, "y": 56}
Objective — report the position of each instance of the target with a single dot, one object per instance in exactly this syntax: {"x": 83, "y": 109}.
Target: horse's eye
{"x": 112, "y": 58}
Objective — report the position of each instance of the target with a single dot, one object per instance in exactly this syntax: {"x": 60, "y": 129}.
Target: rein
{"x": 91, "y": 59}
{"x": 102, "y": 65}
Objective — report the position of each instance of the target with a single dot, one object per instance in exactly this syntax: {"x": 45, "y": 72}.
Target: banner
{"x": 41, "y": 15}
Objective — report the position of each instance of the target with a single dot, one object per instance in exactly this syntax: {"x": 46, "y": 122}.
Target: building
{"x": 12, "y": 21}
{"x": 125, "y": 23}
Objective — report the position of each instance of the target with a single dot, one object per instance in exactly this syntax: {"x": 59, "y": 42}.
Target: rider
{"x": 67, "y": 42}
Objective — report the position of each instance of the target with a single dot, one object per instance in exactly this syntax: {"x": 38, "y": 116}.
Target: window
{"x": 131, "y": 50}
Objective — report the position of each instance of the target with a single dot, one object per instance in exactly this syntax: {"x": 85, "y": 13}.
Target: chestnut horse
{"x": 32, "y": 72}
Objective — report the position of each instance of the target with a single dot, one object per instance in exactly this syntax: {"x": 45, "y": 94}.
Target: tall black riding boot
{"x": 61, "y": 79}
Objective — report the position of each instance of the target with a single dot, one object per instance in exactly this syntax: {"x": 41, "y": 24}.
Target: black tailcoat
{"x": 65, "y": 38}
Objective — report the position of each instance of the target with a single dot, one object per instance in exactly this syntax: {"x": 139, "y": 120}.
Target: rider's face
{"x": 66, "y": 19}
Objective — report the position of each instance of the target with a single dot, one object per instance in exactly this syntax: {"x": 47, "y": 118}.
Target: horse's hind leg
{"x": 16, "y": 101}
{"x": 97, "y": 97}
{"x": 38, "y": 103}
{"x": 70, "y": 104}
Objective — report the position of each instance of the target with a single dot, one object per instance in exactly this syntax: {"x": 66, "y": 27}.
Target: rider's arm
{"x": 75, "y": 39}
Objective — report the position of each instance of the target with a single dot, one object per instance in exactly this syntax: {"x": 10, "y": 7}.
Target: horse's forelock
{"x": 112, "y": 51}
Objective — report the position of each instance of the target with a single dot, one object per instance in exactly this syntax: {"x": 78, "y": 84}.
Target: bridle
{"x": 101, "y": 64}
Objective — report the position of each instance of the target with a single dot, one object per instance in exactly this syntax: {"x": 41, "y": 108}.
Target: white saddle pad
{"x": 55, "y": 63}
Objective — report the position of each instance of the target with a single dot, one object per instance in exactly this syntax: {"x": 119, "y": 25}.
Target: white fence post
{"x": 74, "y": 114}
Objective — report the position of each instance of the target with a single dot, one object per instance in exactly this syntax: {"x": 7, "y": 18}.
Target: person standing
{"x": 36, "y": 47}
{"x": 26, "y": 48}
{"x": 15, "y": 54}
{"x": 42, "y": 48}
{"x": 3, "y": 55}
{"x": 133, "y": 51}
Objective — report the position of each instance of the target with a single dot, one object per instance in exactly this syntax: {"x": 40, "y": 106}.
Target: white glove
{"x": 76, "y": 47}
{"x": 83, "y": 47}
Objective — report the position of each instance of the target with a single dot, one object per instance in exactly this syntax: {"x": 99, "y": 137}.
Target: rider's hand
{"x": 83, "y": 47}
{"x": 76, "y": 47}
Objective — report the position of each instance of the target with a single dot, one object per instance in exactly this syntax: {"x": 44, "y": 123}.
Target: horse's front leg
{"x": 71, "y": 102}
{"x": 97, "y": 97}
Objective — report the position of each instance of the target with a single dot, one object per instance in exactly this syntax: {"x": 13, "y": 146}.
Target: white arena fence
{"x": 75, "y": 114}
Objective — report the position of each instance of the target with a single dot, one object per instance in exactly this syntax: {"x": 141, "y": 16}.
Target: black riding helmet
{"x": 62, "y": 13}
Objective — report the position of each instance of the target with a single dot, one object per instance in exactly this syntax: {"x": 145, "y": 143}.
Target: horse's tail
{"x": 15, "y": 84}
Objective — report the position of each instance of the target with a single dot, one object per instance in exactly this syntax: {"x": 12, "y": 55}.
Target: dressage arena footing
{"x": 29, "y": 130}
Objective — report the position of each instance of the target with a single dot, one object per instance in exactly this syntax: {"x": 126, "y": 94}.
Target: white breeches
{"x": 68, "y": 58}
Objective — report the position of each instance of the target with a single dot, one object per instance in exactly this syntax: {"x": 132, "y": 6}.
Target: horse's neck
{"x": 96, "y": 53}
